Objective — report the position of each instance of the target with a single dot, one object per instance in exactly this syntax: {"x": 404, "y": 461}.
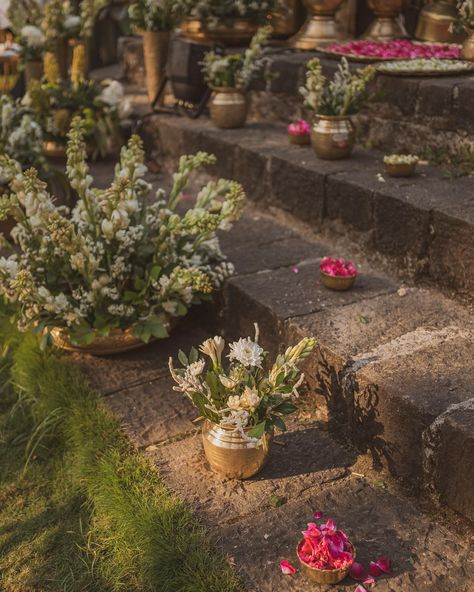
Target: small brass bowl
{"x": 337, "y": 282}
{"x": 400, "y": 170}
{"x": 299, "y": 139}
{"x": 324, "y": 576}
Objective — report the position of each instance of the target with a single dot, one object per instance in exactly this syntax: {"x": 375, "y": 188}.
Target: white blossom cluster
{"x": 243, "y": 397}
{"x": 20, "y": 136}
{"x": 213, "y": 11}
{"x": 115, "y": 260}
{"x": 156, "y": 15}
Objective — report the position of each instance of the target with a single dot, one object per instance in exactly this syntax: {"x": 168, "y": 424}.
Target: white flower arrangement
{"x": 242, "y": 397}
{"x": 64, "y": 19}
{"x": 116, "y": 260}
{"x": 32, "y": 42}
{"x": 236, "y": 70}
{"x": 213, "y": 11}
{"x": 150, "y": 15}
{"x": 409, "y": 159}
{"x": 20, "y": 136}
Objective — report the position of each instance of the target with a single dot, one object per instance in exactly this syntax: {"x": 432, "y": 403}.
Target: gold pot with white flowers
{"x": 120, "y": 268}
{"x": 333, "y": 102}
{"x": 464, "y": 25}
{"x": 240, "y": 402}
{"x": 229, "y": 76}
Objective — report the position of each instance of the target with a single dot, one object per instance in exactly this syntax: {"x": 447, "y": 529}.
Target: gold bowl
{"x": 337, "y": 282}
{"x": 333, "y": 137}
{"x": 299, "y": 139}
{"x": 117, "y": 342}
{"x": 228, "y": 108}
{"x": 237, "y": 32}
{"x": 324, "y": 576}
{"x": 400, "y": 170}
{"x": 230, "y": 455}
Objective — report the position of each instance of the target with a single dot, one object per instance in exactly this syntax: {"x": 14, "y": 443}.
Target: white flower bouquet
{"x": 116, "y": 261}
{"x": 242, "y": 397}
{"x": 222, "y": 10}
{"x": 32, "y": 42}
{"x": 235, "y": 70}
{"x": 341, "y": 96}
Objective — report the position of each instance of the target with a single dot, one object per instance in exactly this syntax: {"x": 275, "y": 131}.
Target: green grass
{"x": 88, "y": 513}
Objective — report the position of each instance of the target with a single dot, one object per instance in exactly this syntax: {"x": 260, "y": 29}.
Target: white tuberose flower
{"x": 213, "y": 348}
{"x": 247, "y": 352}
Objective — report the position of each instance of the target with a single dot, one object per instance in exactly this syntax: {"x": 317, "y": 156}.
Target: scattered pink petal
{"x": 374, "y": 569}
{"x": 359, "y": 588}
{"x": 300, "y": 127}
{"x": 358, "y": 572}
{"x": 318, "y": 515}
{"x": 295, "y": 269}
{"x": 369, "y": 581}
{"x": 287, "y": 568}
{"x": 384, "y": 564}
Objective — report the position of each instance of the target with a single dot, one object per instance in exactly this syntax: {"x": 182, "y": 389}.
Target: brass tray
{"x": 467, "y": 69}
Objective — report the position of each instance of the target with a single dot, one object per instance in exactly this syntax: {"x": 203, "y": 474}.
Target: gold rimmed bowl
{"x": 337, "y": 282}
{"x": 324, "y": 576}
{"x": 401, "y": 169}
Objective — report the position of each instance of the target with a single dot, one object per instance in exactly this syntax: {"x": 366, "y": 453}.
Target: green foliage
{"x": 110, "y": 523}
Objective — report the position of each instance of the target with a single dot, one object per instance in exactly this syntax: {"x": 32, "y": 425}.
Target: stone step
{"x": 421, "y": 226}
{"x": 430, "y": 116}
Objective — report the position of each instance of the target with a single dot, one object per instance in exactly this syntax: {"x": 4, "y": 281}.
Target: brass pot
{"x": 320, "y": 27}
{"x": 289, "y": 21}
{"x": 54, "y": 150}
{"x": 299, "y": 139}
{"x": 435, "y": 22}
{"x": 228, "y": 108}
{"x": 33, "y": 71}
{"x": 337, "y": 282}
{"x": 323, "y": 576}
{"x": 333, "y": 137}
{"x": 467, "y": 51}
{"x": 237, "y": 32}
{"x": 386, "y": 25}
{"x": 155, "y": 52}
{"x": 400, "y": 170}
{"x": 230, "y": 455}
{"x": 116, "y": 342}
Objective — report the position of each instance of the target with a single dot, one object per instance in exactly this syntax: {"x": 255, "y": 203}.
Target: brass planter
{"x": 299, "y": 139}
{"x": 289, "y": 22}
{"x": 228, "y": 108}
{"x": 323, "y": 576}
{"x": 467, "y": 51}
{"x": 237, "y": 32}
{"x": 118, "y": 341}
{"x": 33, "y": 71}
{"x": 320, "y": 27}
{"x": 340, "y": 283}
{"x": 232, "y": 456}
{"x": 54, "y": 150}
{"x": 155, "y": 52}
{"x": 386, "y": 25}
{"x": 400, "y": 170}
{"x": 435, "y": 23}
{"x": 333, "y": 137}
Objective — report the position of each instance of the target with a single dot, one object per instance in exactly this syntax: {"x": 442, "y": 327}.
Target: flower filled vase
{"x": 155, "y": 53}
{"x": 333, "y": 137}
{"x": 228, "y": 107}
{"x": 231, "y": 454}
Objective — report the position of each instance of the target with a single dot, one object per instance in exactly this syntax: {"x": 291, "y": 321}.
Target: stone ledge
{"x": 416, "y": 223}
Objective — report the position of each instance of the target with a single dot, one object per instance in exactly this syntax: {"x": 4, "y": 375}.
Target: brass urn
{"x": 467, "y": 51}
{"x": 387, "y": 24}
{"x": 231, "y": 455}
{"x": 320, "y": 27}
{"x": 435, "y": 23}
{"x": 228, "y": 107}
{"x": 333, "y": 137}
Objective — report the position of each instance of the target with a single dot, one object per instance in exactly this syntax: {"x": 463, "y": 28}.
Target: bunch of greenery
{"x": 344, "y": 95}
{"x": 212, "y": 11}
{"x": 242, "y": 397}
{"x": 150, "y": 15}
{"x": 117, "y": 260}
{"x": 236, "y": 70}
{"x": 465, "y": 18}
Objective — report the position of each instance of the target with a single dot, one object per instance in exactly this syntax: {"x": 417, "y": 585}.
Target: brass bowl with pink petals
{"x": 337, "y": 282}
{"x": 324, "y": 576}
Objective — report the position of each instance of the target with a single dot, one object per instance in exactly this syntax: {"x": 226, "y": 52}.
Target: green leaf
{"x": 157, "y": 328}
{"x": 193, "y": 355}
{"x": 139, "y": 283}
{"x": 130, "y": 296}
{"x": 155, "y": 272}
{"x": 278, "y": 423}
{"x": 275, "y": 501}
{"x": 285, "y": 408}
{"x": 257, "y": 431}
{"x": 280, "y": 378}
{"x": 183, "y": 358}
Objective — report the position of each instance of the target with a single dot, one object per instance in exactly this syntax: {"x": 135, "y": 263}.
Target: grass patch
{"x": 89, "y": 513}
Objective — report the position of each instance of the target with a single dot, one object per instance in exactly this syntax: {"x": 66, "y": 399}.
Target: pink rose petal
{"x": 384, "y": 564}
{"x": 359, "y": 588}
{"x": 318, "y": 515}
{"x": 374, "y": 569}
{"x": 295, "y": 269}
{"x": 287, "y": 568}
{"x": 358, "y": 572}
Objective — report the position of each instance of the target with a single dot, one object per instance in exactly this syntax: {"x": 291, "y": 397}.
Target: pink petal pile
{"x": 376, "y": 569}
{"x": 299, "y": 127}
{"x": 396, "y": 49}
{"x": 325, "y": 547}
{"x": 338, "y": 267}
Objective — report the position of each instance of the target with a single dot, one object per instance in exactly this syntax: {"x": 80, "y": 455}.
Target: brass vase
{"x": 228, "y": 107}
{"x": 435, "y": 22}
{"x": 33, "y": 71}
{"x": 288, "y": 22}
{"x": 155, "y": 52}
{"x": 234, "y": 33}
{"x": 118, "y": 341}
{"x": 467, "y": 51}
{"x": 230, "y": 455}
{"x": 54, "y": 150}
{"x": 333, "y": 137}
{"x": 320, "y": 27}
{"x": 387, "y": 24}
